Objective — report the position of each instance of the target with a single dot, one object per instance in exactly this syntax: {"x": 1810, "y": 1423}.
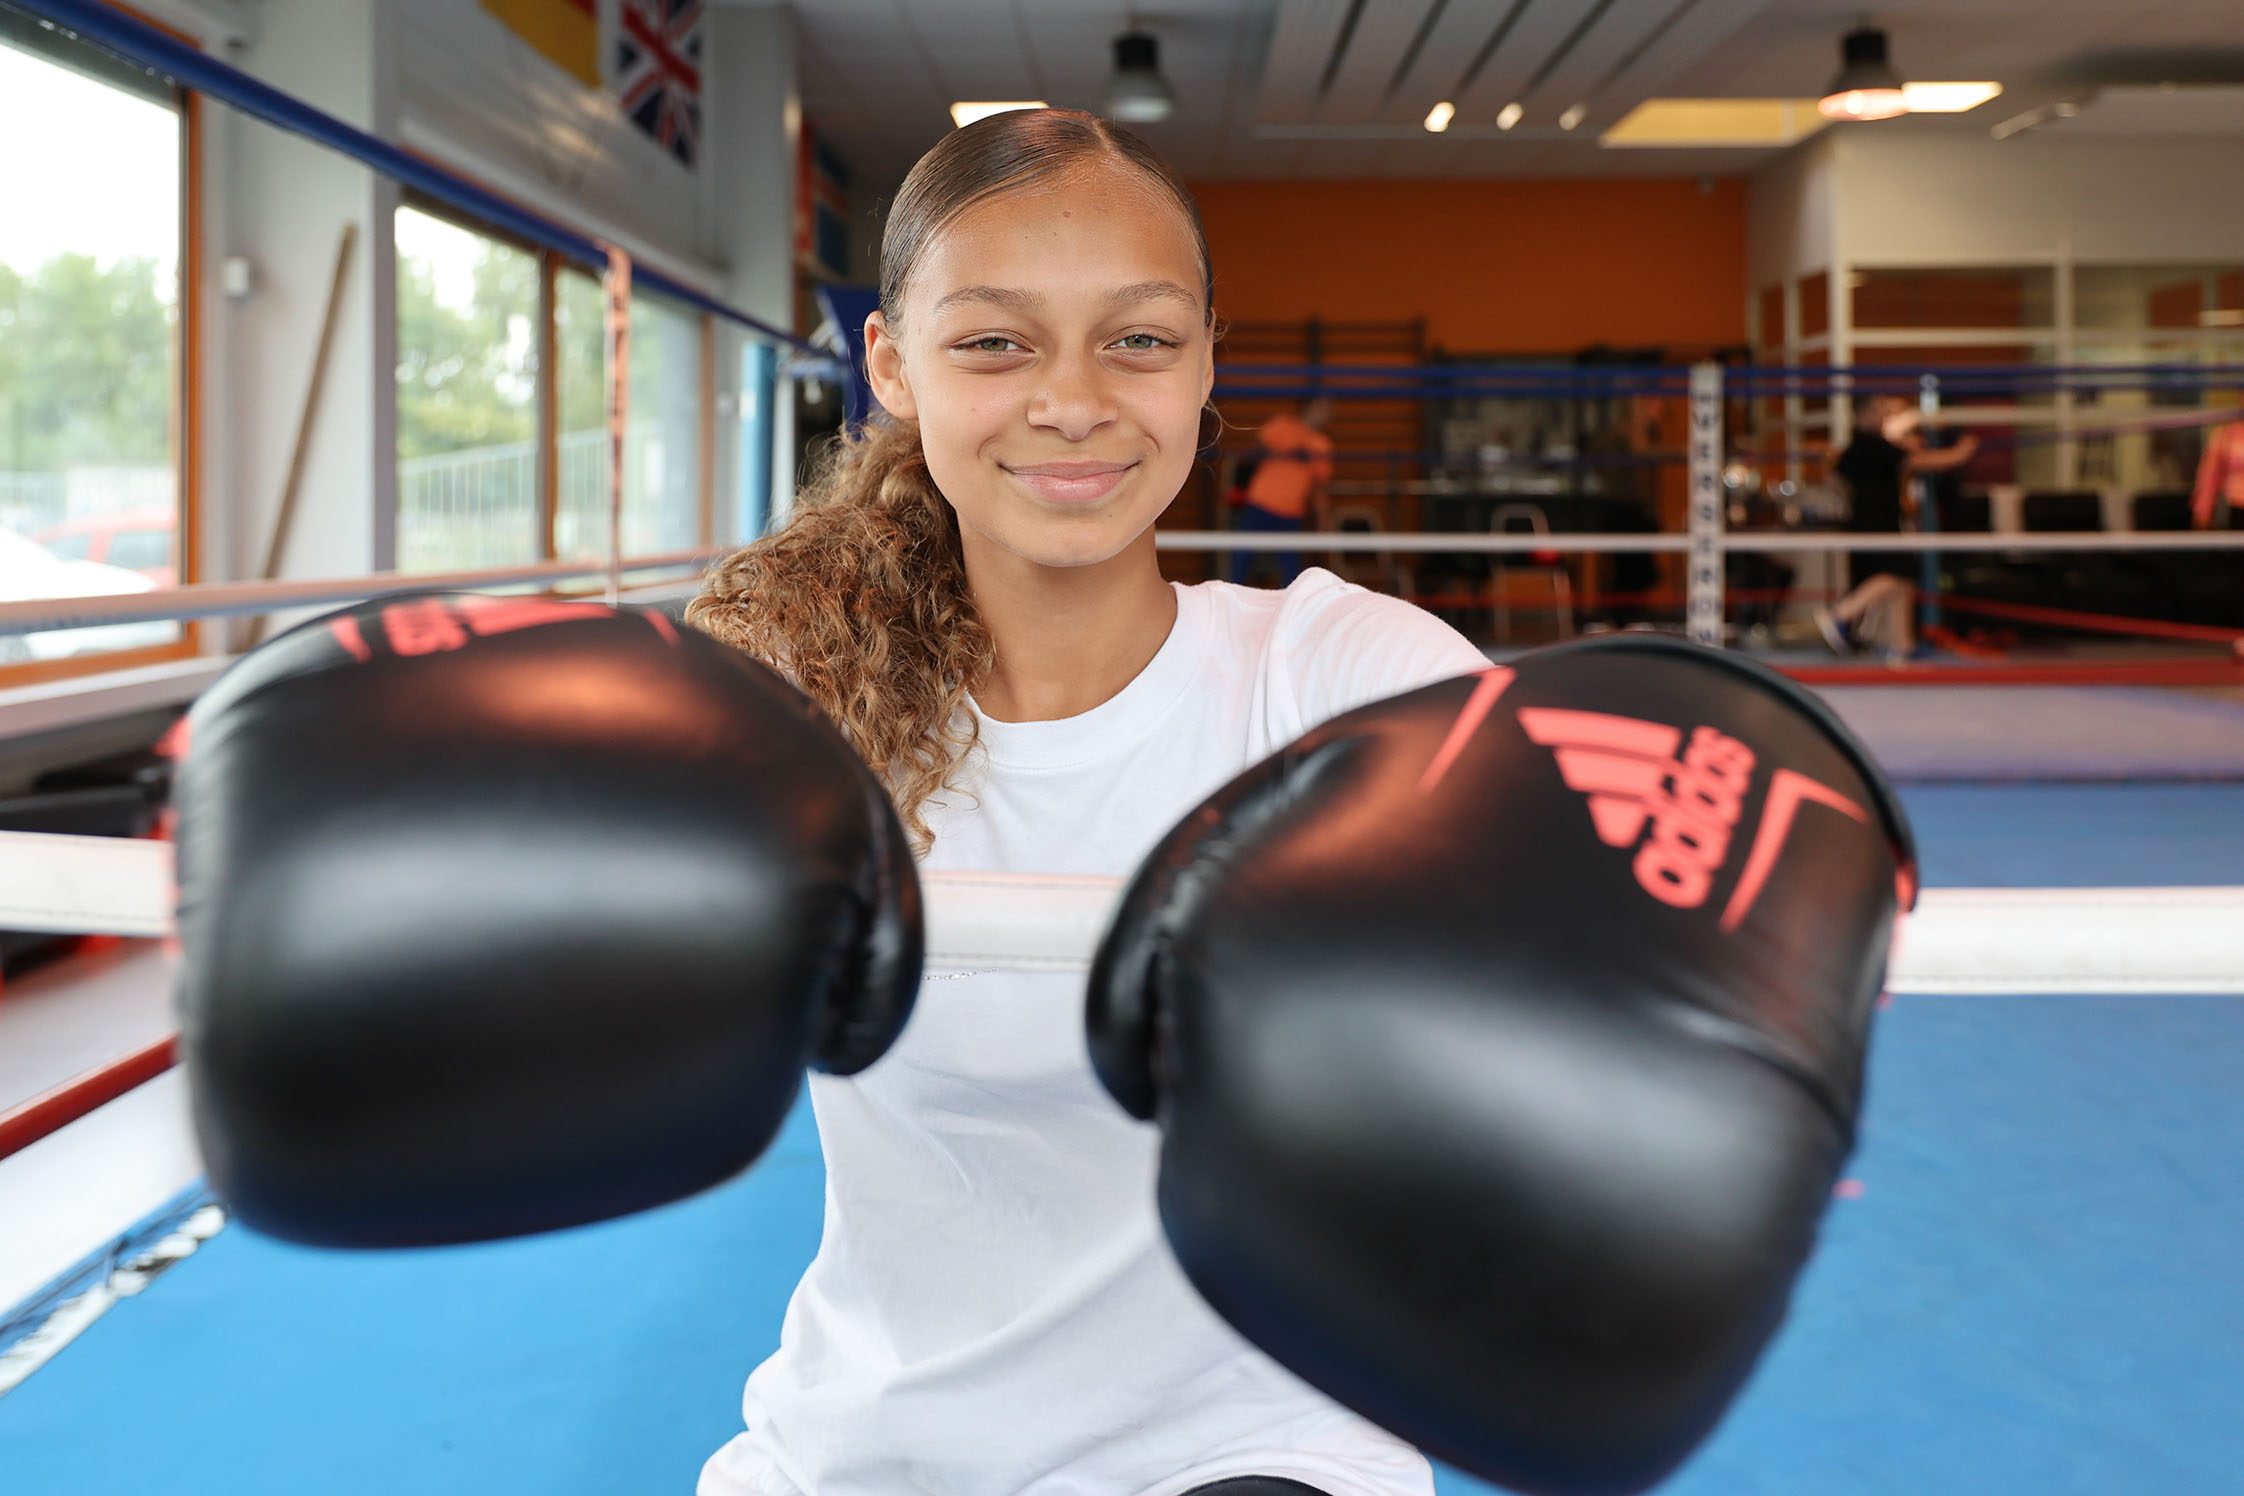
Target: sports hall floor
{"x": 2030, "y": 1283}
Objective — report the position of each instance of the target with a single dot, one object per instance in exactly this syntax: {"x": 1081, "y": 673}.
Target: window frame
{"x": 546, "y": 402}
{"x": 185, "y": 405}
{"x": 544, "y": 465}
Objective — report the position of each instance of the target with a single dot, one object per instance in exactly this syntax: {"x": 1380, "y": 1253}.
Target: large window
{"x": 90, "y": 310}
{"x": 467, "y": 386}
{"x": 472, "y": 461}
{"x": 662, "y": 451}
{"x": 662, "y": 454}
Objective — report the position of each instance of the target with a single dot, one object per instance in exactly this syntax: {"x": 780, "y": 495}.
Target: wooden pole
{"x": 293, "y": 485}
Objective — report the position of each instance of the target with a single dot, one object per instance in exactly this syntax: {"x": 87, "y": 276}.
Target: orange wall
{"x": 1505, "y": 266}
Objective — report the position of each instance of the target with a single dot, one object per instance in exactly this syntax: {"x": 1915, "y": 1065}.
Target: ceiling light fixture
{"x": 1438, "y": 117}
{"x": 1573, "y": 116}
{"x": 1139, "y": 95}
{"x": 1947, "y": 98}
{"x": 1509, "y": 116}
{"x": 966, "y": 111}
{"x": 1867, "y": 87}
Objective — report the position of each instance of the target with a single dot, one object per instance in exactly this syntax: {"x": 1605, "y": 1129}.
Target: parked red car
{"x": 142, "y": 540}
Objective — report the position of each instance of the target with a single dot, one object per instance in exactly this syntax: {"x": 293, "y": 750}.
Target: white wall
{"x": 444, "y": 78}
{"x": 1863, "y": 196}
{"x": 1873, "y": 197}
{"x": 281, "y": 202}
{"x": 475, "y": 96}
{"x": 1790, "y": 218}
{"x": 752, "y": 134}
{"x": 1962, "y": 200}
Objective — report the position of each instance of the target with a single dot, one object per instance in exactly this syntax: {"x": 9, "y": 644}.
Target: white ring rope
{"x": 1960, "y": 940}
{"x": 1758, "y": 542}
{"x": 218, "y": 599}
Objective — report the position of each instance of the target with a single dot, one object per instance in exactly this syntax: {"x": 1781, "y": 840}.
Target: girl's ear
{"x": 884, "y": 370}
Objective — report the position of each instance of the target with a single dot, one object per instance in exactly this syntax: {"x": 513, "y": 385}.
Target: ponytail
{"x": 862, "y": 601}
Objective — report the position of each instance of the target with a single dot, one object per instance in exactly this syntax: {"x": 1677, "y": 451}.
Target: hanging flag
{"x": 565, "y": 33}
{"x": 658, "y": 71}
{"x": 821, "y": 202}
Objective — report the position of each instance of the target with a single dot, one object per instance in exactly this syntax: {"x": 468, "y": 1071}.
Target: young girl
{"x": 970, "y": 590}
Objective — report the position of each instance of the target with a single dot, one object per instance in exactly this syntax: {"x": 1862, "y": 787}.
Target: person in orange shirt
{"x": 1288, "y": 486}
{"x": 2220, "y": 477}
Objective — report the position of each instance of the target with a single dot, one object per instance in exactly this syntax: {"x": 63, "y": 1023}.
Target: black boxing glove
{"x": 1507, "y": 1038}
{"x": 504, "y": 914}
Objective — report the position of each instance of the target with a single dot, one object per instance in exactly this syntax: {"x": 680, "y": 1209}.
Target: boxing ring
{"x": 2026, "y": 1284}
{"x": 2023, "y": 1285}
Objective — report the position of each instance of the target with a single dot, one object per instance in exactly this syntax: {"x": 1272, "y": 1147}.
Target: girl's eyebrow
{"x": 1011, "y": 300}
{"x": 1029, "y": 301}
{"x": 1154, "y": 290}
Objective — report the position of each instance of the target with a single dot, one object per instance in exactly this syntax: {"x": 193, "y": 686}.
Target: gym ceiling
{"x": 1339, "y": 89}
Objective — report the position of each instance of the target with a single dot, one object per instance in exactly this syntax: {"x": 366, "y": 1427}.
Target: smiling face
{"x": 1053, "y": 345}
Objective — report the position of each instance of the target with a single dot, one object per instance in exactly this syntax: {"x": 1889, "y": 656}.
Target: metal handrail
{"x": 223, "y": 599}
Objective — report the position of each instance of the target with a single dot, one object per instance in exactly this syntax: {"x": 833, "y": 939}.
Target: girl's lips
{"x": 1072, "y": 482}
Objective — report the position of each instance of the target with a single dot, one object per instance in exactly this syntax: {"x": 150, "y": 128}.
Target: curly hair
{"x": 862, "y": 598}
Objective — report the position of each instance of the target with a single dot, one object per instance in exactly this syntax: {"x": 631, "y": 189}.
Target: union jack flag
{"x": 658, "y": 71}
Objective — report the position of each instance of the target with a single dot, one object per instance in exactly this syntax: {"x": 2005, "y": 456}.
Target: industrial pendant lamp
{"x": 1867, "y": 86}
{"x": 1139, "y": 95}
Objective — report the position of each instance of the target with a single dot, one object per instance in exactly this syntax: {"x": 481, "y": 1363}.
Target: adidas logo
{"x": 1691, "y": 794}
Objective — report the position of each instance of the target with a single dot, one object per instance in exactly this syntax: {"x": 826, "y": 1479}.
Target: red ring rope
{"x": 50, "y": 1112}
{"x": 2110, "y": 623}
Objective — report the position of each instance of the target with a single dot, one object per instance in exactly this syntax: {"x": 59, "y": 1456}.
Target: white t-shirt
{"x": 993, "y": 1308}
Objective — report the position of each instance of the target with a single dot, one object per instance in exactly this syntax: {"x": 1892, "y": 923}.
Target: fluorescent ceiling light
{"x": 1573, "y": 116}
{"x": 965, "y": 112}
{"x": 1674, "y": 123}
{"x": 1508, "y": 116}
{"x": 1438, "y": 117}
{"x": 1947, "y": 98}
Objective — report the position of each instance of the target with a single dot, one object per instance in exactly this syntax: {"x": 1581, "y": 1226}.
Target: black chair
{"x": 2073, "y": 510}
{"x": 2090, "y": 581}
{"x": 1985, "y": 574}
{"x": 2192, "y": 587}
{"x": 2160, "y": 509}
{"x": 2171, "y": 577}
{"x": 1968, "y": 513}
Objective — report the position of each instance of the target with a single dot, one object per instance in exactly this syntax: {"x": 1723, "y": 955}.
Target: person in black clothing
{"x": 1887, "y": 451}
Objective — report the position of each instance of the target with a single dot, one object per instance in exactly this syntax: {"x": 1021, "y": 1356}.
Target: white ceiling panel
{"x": 2174, "y": 113}
{"x": 1458, "y": 32}
{"x": 1616, "y": 36}
{"x": 1538, "y": 39}
{"x": 1384, "y": 45}
{"x": 1301, "y": 46}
